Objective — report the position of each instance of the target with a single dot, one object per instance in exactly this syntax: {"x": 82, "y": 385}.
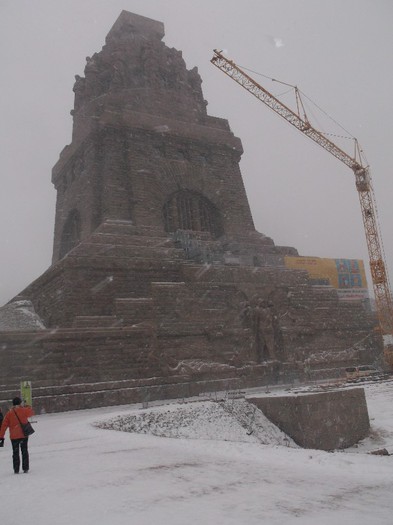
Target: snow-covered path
{"x": 83, "y": 475}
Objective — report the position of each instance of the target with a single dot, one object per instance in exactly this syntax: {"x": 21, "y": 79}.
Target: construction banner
{"x": 26, "y": 393}
{"x": 348, "y": 276}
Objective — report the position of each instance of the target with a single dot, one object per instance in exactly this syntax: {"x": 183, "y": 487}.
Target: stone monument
{"x": 159, "y": 281}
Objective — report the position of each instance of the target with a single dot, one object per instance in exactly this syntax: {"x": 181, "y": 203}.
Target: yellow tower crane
{"x": 380, "y": 279}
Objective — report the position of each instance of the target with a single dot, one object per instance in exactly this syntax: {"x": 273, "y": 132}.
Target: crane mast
{"x": 380, "y": 279}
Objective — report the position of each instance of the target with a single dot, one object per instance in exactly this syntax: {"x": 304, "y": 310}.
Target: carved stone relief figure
{"x": 98, "y": 75}
{"x": 119, "y": 70}
{"x": 258, "y": 314}
{"x": 150, "y": 63}
{"x": 195, "y": 82}
{"x": 77, "y": 167}
{"x": 176, "y": 72}
{"x": 79, "y": 90}
{"x": 91, "y": 80}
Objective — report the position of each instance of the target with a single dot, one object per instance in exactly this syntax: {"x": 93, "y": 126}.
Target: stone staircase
{"x": 127, "y": 306}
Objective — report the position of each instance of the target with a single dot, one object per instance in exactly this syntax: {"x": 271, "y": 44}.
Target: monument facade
{"x": 159, "y": 279}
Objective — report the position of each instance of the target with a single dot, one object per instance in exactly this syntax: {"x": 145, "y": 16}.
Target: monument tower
{"x": 144, "y": 149}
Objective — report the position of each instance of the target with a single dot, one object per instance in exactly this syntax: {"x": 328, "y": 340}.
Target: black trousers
{"x": 22, "y": 445}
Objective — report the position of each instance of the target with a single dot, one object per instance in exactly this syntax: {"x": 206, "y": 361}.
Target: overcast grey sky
{"x": 339, "y": 52}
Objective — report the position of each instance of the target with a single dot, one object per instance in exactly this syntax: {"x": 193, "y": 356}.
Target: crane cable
{"x": 349, "y": 137}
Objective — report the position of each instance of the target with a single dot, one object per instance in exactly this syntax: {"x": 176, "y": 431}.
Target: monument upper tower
{"x": 144, "y": 149}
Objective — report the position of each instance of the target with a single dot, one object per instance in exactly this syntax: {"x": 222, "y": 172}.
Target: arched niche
{"x": 189, "y": 210}
{"x": 71, "y": 233}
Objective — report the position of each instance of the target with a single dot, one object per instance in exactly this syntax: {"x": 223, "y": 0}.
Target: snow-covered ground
{"x": 230, "y": 420}
{"x": 84, "y": 475}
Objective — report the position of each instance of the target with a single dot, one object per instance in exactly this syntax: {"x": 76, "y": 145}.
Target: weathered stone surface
{"x": 326, "y": 421}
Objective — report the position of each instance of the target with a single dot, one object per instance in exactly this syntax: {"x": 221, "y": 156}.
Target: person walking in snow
{"x": 18, "y": 439}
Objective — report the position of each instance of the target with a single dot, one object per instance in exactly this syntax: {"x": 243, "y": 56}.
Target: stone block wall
{"x": 326, "y": 421}
{"x": 78, "y": 355}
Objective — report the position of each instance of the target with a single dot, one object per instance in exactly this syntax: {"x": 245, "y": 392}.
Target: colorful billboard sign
{"x": 348, "y": 276}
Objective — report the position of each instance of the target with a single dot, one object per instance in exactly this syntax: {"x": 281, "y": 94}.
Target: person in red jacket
{"x": 18, "y": 439}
